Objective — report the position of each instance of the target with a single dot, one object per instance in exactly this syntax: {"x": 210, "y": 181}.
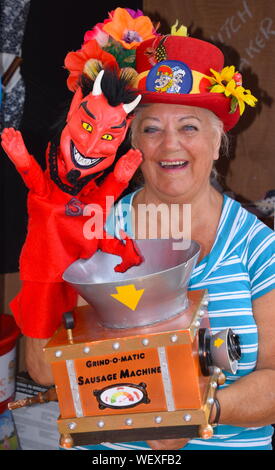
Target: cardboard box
{"x": 35, "y": 425}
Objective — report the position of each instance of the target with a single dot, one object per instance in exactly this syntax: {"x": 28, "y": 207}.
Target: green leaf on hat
{"x": 233, "y": 105}
{"x": 124, "y": 57}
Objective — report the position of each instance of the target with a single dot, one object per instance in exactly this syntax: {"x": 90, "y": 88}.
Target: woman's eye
{"x": 87, "y": 126}
{"x": 189, "y": 127}
{"x": 150, "y": 130}
{"x": 107, "y": 137}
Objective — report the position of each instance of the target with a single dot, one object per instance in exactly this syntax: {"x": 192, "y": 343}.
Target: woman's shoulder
{"x": 242, "y": 234}
{"x": 253, "y": 241}
{"x": 243, "y": 220}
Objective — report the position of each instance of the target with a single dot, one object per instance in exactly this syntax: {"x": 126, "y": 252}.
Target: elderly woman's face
{"x": 179, "y": 144}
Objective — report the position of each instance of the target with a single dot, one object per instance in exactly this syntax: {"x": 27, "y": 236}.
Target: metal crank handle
{"x": 41, "y": 397}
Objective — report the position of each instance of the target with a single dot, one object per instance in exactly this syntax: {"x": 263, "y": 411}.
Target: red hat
{"x": 174, "y": 69}
{"x": 191, "y": 60}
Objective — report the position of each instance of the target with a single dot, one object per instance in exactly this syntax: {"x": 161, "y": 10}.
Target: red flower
{"x": 75, "y": 61}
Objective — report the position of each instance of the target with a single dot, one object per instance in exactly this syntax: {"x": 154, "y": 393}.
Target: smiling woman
{"x": 179, "y": 131}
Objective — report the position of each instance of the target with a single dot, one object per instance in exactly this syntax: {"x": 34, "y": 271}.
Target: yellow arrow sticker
{"x": 128, "y": 295}
{"x": 218, "y": 342}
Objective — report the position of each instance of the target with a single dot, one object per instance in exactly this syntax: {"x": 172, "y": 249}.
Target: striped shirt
{"x": 239, "y": 269}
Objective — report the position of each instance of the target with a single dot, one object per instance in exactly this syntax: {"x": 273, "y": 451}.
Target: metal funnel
{"x": 152, "y": 292}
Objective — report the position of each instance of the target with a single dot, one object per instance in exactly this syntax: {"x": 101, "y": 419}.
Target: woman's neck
{"x": 197, "y": 219}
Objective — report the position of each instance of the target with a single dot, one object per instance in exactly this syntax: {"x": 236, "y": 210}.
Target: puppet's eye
{"x": 87, "y": 126}
{"x": 107, "y": 137}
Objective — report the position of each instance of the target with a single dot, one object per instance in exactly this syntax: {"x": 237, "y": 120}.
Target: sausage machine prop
{"x": 139, "y": 360}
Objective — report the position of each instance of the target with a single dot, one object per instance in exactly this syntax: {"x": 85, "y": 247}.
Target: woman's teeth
{"x": 175, "y": 164}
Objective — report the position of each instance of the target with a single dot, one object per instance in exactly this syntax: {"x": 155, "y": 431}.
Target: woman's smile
{"x": 173, "y": 165}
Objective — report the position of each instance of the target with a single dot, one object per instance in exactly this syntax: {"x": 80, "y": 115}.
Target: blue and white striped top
{"x": 239, "y": 269}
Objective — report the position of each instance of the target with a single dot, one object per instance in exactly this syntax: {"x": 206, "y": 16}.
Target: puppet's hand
{"x": 127, "y": 165}
{"x": 13, "y": 144}
{"x": 130, "y": 254}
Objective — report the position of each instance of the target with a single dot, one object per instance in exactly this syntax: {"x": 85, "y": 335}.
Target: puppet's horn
{"x": 130, "y": 106}
{"x": 97, "y": 84}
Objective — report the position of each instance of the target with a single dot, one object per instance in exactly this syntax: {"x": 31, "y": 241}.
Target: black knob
{"x": 68, "y": 320}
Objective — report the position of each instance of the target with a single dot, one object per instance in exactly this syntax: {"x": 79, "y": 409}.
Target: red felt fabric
{"x": 54, "y": 241}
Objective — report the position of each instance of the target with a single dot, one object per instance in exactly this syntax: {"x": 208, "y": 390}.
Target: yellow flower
{"x": 218, "y": 89}
{"x": 244, "y": 96}
{"x": 182, "y": 31}
{"x": 225, "y": 75}
{"x": 230, "y": 88}
{"x": 225, "y": 82}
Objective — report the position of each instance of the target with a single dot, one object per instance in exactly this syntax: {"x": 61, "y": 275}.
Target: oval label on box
{"x": 122, "y": 396}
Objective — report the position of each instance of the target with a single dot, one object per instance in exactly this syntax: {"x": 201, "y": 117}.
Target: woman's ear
{"x": 217, "y": 146}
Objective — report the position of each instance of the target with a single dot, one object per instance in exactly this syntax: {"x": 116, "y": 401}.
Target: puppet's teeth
{"x": 84, "y": 161}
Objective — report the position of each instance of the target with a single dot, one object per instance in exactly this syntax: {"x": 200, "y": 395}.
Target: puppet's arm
{"x": 26, "y": 165}
{"x": 117, "y": 181}
{"x": 126, "y": 249}
{"x": 127, "y": 165}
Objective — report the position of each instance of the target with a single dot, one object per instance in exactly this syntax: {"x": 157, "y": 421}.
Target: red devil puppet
{"x": 88, "y": 145}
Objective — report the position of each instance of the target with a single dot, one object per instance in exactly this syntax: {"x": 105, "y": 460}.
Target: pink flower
{"x": 98, "y": 34}
{"x": 133, "y": 13}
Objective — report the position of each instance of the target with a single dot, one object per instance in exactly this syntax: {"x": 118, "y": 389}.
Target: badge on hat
{"x": 170, "y": 76}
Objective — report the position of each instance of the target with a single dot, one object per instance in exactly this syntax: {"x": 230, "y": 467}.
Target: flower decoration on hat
{"x": 181, "y": 31}
{"x": 229, "y": 82}
{"x": 90, "y": 53}
{"x": 157, "y": 53}
{"x": 128, "y": 30}
{"x": 112, "y": 43}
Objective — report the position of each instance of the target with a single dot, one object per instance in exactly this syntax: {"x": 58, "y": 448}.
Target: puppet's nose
{"x": 91, "y": 147}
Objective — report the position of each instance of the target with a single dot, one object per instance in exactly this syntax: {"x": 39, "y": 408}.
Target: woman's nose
{"x": 171, "y": 140}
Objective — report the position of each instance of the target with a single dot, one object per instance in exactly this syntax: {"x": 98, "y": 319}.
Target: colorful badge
{"x": 170, "y": 76}
{"x": 121, "y": 396}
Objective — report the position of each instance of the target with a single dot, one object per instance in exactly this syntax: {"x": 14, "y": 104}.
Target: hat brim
{"x": 215, "y": 102}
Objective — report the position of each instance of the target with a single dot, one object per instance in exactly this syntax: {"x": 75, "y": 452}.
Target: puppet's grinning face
{"x": 93, "y": 133}
{"x": 80, "y": 161}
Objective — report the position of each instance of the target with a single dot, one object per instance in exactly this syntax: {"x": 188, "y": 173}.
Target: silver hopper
{"x": 152, "y": 292}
